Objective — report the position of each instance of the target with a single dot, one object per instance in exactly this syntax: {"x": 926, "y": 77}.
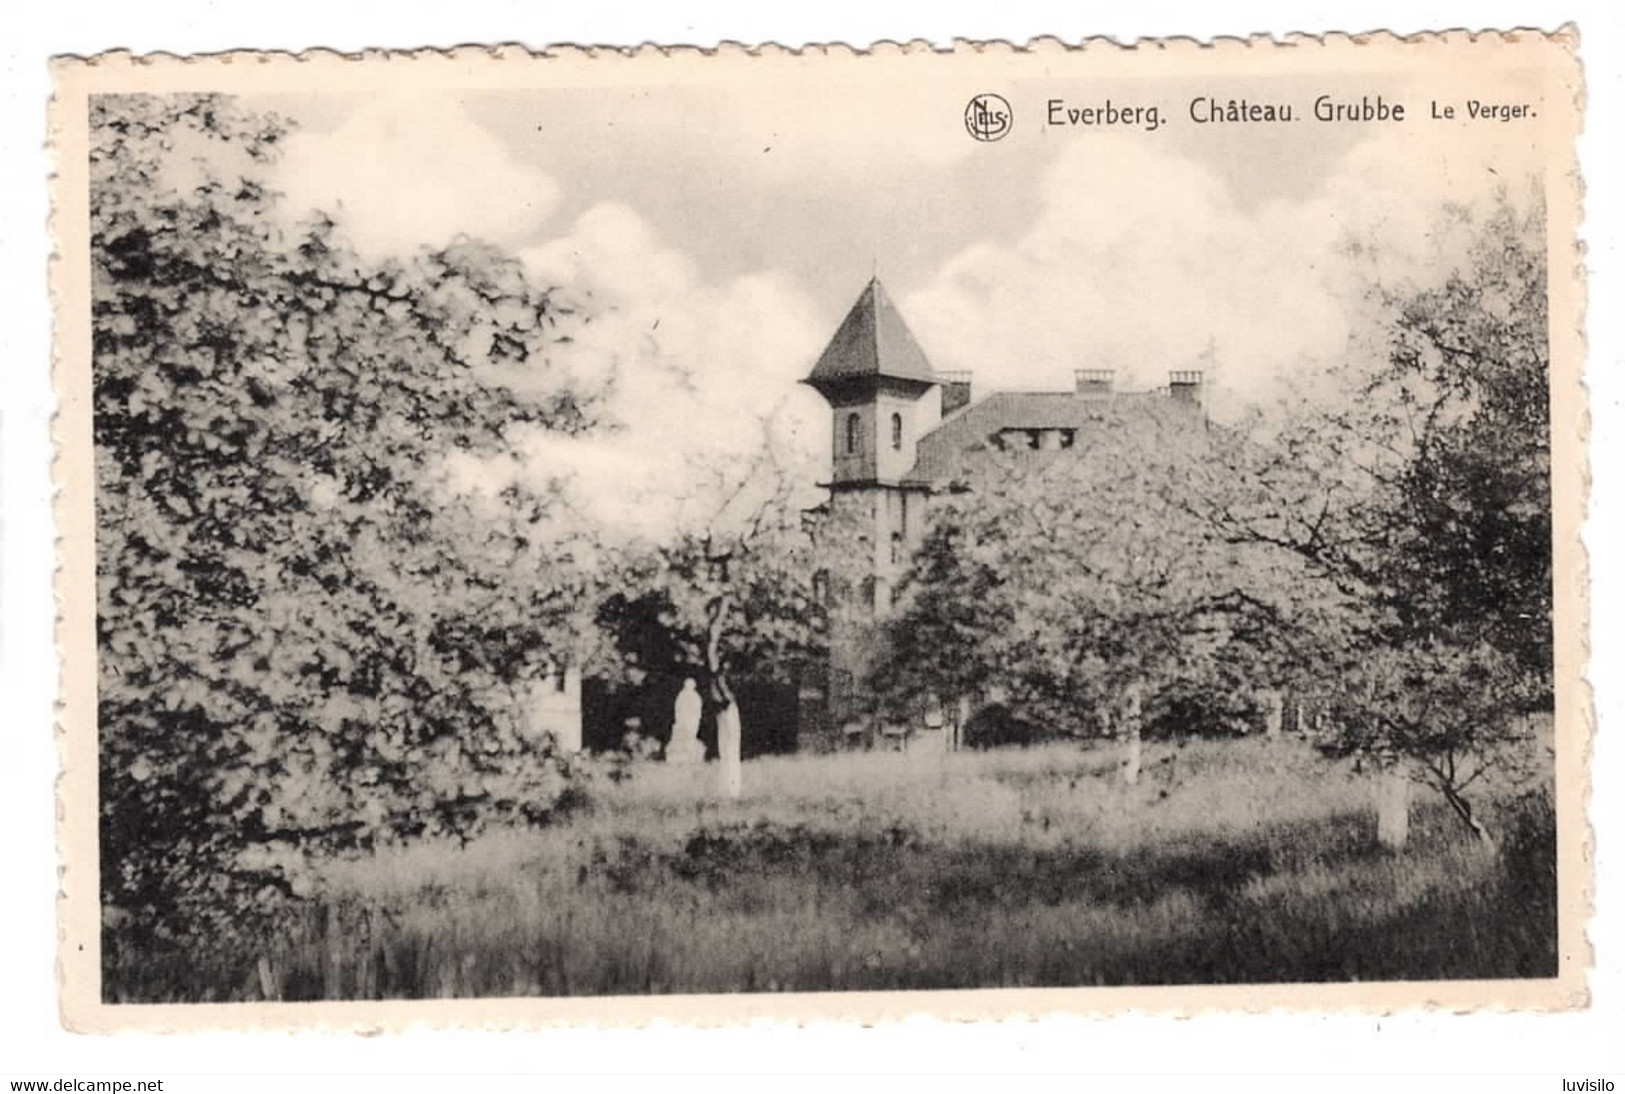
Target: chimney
{"x": 1185, "y": 386}
{"x": 955, "y": 390}
{"x": 1094, "y": 381}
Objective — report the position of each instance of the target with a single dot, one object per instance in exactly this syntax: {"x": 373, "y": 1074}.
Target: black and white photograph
{"x": 732, "y": 525}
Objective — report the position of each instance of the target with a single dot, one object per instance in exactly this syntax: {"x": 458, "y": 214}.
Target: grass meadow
{"x": 1245, "y": 861}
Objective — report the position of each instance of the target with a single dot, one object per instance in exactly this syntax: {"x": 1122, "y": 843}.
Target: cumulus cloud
{"x": 699, "y": 371}
{"x": 702, "y": 374}
{"x": 1138, "y": 260}
{"x": 403, "y": 171}
{"x": 1143, "y": 261}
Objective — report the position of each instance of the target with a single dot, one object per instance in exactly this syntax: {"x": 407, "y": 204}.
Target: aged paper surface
{"x": 611, "y": 536}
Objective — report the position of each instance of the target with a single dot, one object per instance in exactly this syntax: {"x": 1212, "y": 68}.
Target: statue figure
{"x": 685, "y": 746}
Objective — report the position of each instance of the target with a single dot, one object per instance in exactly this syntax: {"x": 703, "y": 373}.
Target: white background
{"x": 1236, "y": 1051}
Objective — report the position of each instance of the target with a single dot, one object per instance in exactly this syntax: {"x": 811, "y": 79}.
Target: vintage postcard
{"x": 596, "y": 536}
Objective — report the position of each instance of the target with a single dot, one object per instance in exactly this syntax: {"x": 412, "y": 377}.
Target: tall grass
{"x": 1246, "y": 861}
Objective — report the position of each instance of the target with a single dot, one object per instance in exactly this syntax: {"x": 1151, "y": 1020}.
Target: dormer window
{"x": 897, "y": 432}
{"x": 854, "y": 431}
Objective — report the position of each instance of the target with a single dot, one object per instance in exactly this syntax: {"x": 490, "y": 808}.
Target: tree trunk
{"x": 1133, "y": 710}
{"x": 1464, "y": 810}
{"x": 1393, "y": 809}
{"x": 1274, "y": 713}
{"x": 270, "y": 989}
{"x": 730, "y": 733}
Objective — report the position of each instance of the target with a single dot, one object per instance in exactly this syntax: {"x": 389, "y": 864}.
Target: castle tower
{"x": 883, "y": 397}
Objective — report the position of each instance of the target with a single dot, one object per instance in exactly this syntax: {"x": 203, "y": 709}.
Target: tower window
{"x": 854, "y": 429}
{"x": 897, "y": 432}
{"x": 896, "y": 548}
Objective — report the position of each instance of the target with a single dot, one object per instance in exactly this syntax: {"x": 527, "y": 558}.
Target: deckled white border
{"x": 247, "y": 70}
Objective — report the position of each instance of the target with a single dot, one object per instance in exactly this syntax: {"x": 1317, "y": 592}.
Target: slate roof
{"x": 873, "y": 340}
{"x": 941, "y": 454}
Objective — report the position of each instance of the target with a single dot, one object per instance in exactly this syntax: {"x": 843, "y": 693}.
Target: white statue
{"x": 685, "y": 746}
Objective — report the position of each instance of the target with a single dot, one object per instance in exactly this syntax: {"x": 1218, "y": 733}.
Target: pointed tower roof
{"x": 873, "y": 341}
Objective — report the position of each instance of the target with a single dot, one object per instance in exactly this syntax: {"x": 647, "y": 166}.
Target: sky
{"x": 719, "y": 238}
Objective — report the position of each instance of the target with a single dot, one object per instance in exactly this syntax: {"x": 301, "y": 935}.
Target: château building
{"x": 902, "y": 431}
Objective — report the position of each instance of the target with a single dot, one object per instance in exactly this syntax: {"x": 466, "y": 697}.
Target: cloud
{"x": 403, "y": 171}
{"x": 1143, "y": 261}
{"x": 701, "y": 374}
{"x": 699, "y": 370}
{"x": 1137, "y": 259}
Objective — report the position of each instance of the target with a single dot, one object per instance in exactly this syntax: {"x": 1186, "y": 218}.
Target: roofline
{"x": 891, "y": 484}
{"x": 832, "y": 389}
{"x": 879, "y": 305}
{"x": 863, "y": 377}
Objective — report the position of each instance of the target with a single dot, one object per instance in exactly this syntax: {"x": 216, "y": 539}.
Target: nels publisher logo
{"x": 988, "y": 117}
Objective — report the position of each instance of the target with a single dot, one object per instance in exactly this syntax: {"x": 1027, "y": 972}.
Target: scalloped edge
{"x": 81, "y": 1010}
